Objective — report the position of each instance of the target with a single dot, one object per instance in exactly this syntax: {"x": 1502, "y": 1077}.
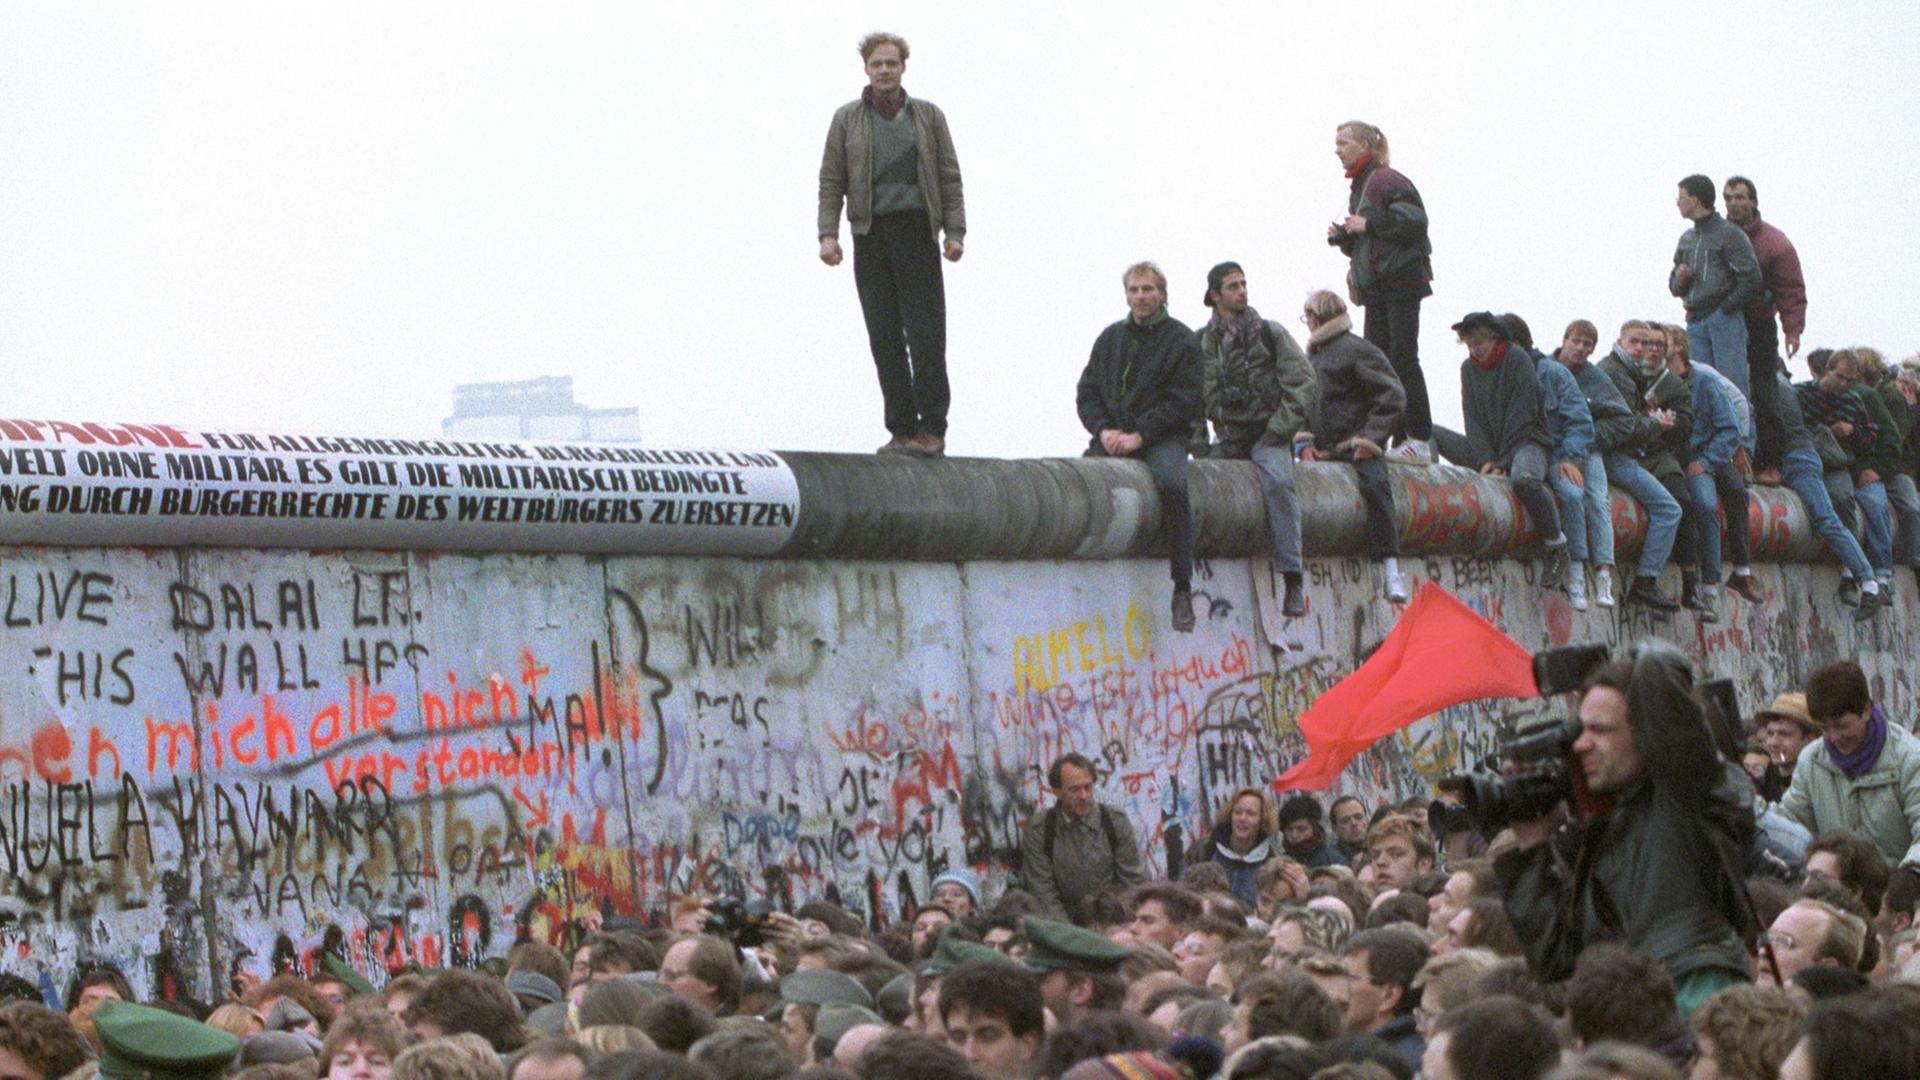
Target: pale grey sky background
{"x": 321, "y": 218}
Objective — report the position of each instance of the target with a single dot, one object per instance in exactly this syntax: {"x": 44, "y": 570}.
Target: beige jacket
{"x": 846, "y": 169}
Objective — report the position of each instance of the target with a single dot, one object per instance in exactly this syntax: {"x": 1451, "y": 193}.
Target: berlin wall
{"x": 410, "y": 701}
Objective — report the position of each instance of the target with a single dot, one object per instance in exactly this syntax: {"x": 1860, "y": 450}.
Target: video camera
{"x": 1533, "y": 776}
{"x": 742, "y": 922}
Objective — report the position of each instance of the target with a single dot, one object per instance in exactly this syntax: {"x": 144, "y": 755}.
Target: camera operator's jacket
{"x": 1661, "y": 870}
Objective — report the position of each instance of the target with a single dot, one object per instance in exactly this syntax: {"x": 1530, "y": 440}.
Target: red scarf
{"x": 1359, "y": 166}
{"x": 1494, "y": 357}
{"x": 888, "y": 107}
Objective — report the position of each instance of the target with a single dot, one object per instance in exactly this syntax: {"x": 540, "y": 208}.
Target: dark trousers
{"x": 1686, "y": 542}
{"x": 1167, "y": 461}
{"x": 1393, "y": 327}
{"x": 896, "y": 267}
{"x": 1769, "y": 433}
{"x": 1383, "y": 534}
{"x": 1527, "y": 473}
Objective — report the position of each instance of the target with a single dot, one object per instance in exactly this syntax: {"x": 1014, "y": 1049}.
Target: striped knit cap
{"x": 1138, "y": 1065}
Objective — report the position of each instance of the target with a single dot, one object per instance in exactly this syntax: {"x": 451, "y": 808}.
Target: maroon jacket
{"x": 1783, "y": 289}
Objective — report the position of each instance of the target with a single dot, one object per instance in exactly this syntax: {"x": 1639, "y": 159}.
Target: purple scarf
{"x": 1856, "y": 764}
{"x": 889, "y": 105}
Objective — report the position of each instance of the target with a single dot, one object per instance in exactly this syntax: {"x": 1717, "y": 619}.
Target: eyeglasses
{"x": 1779, "y": 939}
{"x": 1303, "y": 320}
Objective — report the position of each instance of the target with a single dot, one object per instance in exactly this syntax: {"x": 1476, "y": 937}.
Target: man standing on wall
{"x": 1783, "y": 291}
{"x": 1139, "y": 397}
{"x": 1716, "y": 276}
{"x": 891, "y": 160}
{"x": 1259, "y": 390}
{"x": 1079, "y": 844}
{"x": 1385, "y": 234}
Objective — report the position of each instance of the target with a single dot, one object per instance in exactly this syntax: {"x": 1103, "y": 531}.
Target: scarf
{"x": 1242, "y": 329}
{"x": 1856, "y": 764}
{"x": 1359, "y": 166}
{"x": 1495, "y": 356}
{"x": 888, "y": 107}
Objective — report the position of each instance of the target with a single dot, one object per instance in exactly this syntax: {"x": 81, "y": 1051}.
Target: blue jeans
{"x": 1878, "y": 515}
{"x": 1586, "y": 513}
{"x": 1710, "y": 489}
{"x": 1274, "y": 461}
{"x": 1801, "y": 471}
{"x": 1905, "y": 497}
{"x": 1663, "y": 512}
{"x": 1720, "y": 342}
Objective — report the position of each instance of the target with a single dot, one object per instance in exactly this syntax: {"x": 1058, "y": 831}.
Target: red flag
{"x": 1440, "y": 653}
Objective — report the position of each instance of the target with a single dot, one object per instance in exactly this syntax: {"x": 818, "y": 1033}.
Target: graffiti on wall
{"x": 244, "y": 757}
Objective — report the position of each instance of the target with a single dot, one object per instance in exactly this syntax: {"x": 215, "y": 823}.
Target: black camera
{"x": 1534, "y": 776}
{"x": 1536, "y": 782}
{"x": 742, "y": 922}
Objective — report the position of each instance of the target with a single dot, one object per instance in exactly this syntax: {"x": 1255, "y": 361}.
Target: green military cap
{"x": 1058, "y": 946}
{"x": 142, "y": 1043}
{"x": 951, "y": 950}
{"x": 823, "y": 986}
{"x": 332, "y": 965}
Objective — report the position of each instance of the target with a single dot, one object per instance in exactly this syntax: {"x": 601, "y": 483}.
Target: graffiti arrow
{"x": 540, "y": 816}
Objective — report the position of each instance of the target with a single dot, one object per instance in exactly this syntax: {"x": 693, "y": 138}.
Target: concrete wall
{"x": 411, "y": 753}
{"x": 402, "y": 716}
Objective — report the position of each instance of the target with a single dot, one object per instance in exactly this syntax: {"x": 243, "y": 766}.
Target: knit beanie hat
{"x": 962, "y": 877}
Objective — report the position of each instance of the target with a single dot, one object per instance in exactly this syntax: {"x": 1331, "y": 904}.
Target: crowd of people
{"x": 1682, "y": 416}
{"x": 1664, "y": 909}
{"x": 1670, "y": 914}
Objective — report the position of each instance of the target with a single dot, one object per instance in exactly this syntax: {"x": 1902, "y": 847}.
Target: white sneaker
{"x": 1411, "y": 452}
{"x": 1603, "y": 587}
{"x": 1577, "y": 589}
{"x": 1396, "y": 587}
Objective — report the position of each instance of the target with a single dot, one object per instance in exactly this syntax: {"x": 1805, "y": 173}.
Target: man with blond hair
{"x": 1400, "y": 852}
{"x": 890, "y": 159}
{"x": 1357, "y": 403}
{"x": 1385, "y": 234}
{"x": 1139, "y": 397}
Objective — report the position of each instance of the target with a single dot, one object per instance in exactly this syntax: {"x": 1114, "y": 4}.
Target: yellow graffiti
{"x": 1041, "y": 660}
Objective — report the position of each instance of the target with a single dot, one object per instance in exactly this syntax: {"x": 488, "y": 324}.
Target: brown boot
{"x": 927, "y": 445}
{"x": 899, "y": 444}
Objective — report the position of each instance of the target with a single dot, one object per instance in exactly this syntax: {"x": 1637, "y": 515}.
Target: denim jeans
{"x": 1527, "y": 474}
{"x": 1712, "y": 490}
{"x": 1877, "y": 513}
{"x": 1167, "y": 461}
{"x": 1586, "y": 512}
{"x": 1801, "y": 471}
{"x": 1275, "y": 464}
{"x": 1663, "y": 514}
{"x": 1720, "y": 342}
{"x": 1905, "y": 497}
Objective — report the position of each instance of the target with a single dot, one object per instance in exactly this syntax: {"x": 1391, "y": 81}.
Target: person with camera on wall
{"x": 1653, "y": 858}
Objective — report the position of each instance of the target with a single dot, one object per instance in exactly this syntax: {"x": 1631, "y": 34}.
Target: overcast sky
{"x": 321, "y": 218}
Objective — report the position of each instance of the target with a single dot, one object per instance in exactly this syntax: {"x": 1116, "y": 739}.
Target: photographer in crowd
{"x": 1656, "y": 869}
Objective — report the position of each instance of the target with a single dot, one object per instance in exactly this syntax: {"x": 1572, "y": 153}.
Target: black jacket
{"x": 1658, "y": 870}
{"x": 1143, "y": 379}
{"x": 1662, "y": 451}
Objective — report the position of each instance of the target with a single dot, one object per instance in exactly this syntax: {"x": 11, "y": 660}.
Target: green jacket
{"x": 1888, "y": 455}
{"x": 846, "y": 169}
{"x": 1269, "y": 392}
{"x": 1883, "y": 805}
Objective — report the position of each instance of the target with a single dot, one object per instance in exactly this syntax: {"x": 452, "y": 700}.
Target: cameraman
{"x": 1657, "y": 868}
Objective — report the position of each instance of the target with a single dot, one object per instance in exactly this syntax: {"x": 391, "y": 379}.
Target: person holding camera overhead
{"x": 1658, "y": 869}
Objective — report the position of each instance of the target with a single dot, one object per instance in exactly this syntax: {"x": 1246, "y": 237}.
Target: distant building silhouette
{"x": 540, "y": 408}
